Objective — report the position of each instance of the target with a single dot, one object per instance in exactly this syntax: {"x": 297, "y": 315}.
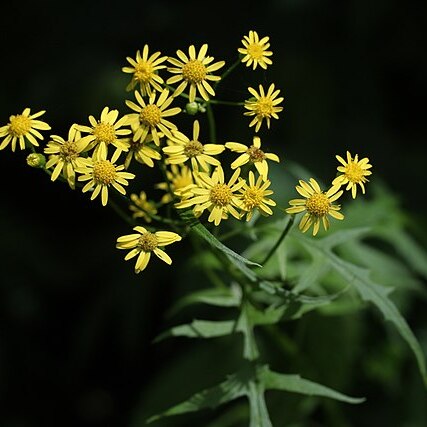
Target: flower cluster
{"x": 105, "y": 154}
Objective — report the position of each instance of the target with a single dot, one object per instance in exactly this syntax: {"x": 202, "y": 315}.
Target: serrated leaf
{"x": 252, "y": 380}
{"x": 368, "y": 290}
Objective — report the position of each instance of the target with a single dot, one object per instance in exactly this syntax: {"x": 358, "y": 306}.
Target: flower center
{"x": 143, "y": 72}
{"x": 150, "y": 115}
{"x": 104, "y": 132}
{"x": 264, "y": 107}
{"x": 354, "y": 173}
{"x": 19, "y": 125}
{"x": 194, "y": 71}
{"x": 68, "y": 151}
{"x": 318, "y": 204}
{"x": 255, "y": 51}
{"x": 252, "y": 197}
{"x": 104, "y": 172}
{"x": 221, "y": 194}
{"x": 255, "y": 154}
{"x": 193, "y": 149}
{"x": 148, "y": 242}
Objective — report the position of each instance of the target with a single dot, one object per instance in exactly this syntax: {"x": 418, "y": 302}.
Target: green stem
{"x": 212, "y": 126}
{"x": 227, "y": 72}
{"x": 119, "y": 211}
{"x": 279, "y": 240}
{"x": 232, "y": 103}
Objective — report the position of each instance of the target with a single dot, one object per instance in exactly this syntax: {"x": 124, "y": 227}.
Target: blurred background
{"x": 76, "y": 323}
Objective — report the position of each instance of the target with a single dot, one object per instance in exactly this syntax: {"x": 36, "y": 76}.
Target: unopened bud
{"x": 192, "y": 108}
{"x": 36, "y": 160}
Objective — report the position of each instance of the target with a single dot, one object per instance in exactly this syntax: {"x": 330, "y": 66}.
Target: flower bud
{"x": 192, "y": 108}
{"x": 36, "y": 160}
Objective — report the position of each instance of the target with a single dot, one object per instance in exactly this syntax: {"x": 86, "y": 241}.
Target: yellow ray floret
{"x": 21, "y": 128}
{"x": 255, "y": 51}
{"x": 144, "y": 70}
{"x": 195, "y": 71}
{"x": 142, "y": 243}
{"x": 181, "y": 148}
{"x": 316, "y": 204}
{"x": 263, "y": 105}
{"x": 353, "y": 173}
{"x": 252, "y": 154}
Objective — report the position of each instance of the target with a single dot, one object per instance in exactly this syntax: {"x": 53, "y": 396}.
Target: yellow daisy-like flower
{"x": 317, "y": 205}
{"x": 255, "y": 51}
{"x": 107, "y": 131}
{"x": 23, "y": 127}
{"x": 214, "y": 194}
{"x": 101, "y": 174}
{"x": 354, "y": 171}
{"x": 183, "y": 148}
{"x": 263, "y": 105}
{"x": 252, "y": 154}
{"x": 65, "y": 155}
{"x": 143, "y": 243}
{"x": 142, "y": 152}
{"x": 144, "y": 70}
{"x": 142, "y": 207}
{"x": 194, "y": 70}
{"x": 180, "y": 182}
{"x": 150, "y": 117}
{"x": 254, "y": 196}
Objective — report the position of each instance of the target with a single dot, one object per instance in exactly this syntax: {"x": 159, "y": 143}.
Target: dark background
{"x": 76, "y": 323}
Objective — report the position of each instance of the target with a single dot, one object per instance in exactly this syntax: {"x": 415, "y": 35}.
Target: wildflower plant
{"x": 235, "y": 200}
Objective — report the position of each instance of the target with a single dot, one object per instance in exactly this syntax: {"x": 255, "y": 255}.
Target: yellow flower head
{"x": 263, "y": 106}
{"x": 316, "y": 204}
{"x": 254, "y": 196}
{"x": 150, "y": 116}
{"x": 65, "y": 155}
{"x": 353, "y": 172}
{"x": 142, "y": 207}
{"x": 214, "y": 194}
{"x": 194, "y": 70}
{"x": 143, "y": 243}
{"x": 144, "y": 70}
{"x": 182, "y": 148}
{"x": 143, "y": 152}
{"x": 180, "y": 182}
{"x": 107, "y": 131}
{"x": 21, "y": 128}
{"x": 101, "y": 174}
{"x": 255, "y": 51}
{"x": 252, "y": 154}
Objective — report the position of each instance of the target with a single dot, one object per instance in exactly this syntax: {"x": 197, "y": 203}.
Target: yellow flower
{"x": 150, "y": 117}
{"x": 263, "y": 106}
{"x": 21, "y": 128}
{"x": 65, "y": 155}
{"x": 142, "y": 207}
{"x": 144, "y": 69}
{"x": 101, "y": 174}
{"x": 194, "y": 70}
{"x": 254, "y": 196}
{"x": 143, "y": 243}
{"x": 354, "y": 171}
{"x": 255, "y": 50}
{"x": 180, "y": 182}
{"x": 317, "y": 205}
{"x": 214, "y": 194}
{"x": 183, "y": 148}
{"x": 142, "y": 152}
{"x": 107, "y": 131}
{"x": 252, "y": 154}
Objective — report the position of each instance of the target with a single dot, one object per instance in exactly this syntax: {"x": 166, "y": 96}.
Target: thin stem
{"x": 232, "y": 103}
{"x": 119, "y": 211}
{"x": 212, "y": 126}
{"x": 279, "y": 240}
{"x": 227, "y": 72}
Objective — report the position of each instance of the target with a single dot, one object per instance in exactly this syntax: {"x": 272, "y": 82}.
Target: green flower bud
{"x": 36, "y": 160}
{"x": 192, "y": 108}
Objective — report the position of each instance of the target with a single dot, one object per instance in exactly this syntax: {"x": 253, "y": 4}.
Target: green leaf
{"x": 252, "y": 380}
{"x": 223, "y": 297}
{"x": 368, "y": 290}
{"x": 296, "y": 384}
